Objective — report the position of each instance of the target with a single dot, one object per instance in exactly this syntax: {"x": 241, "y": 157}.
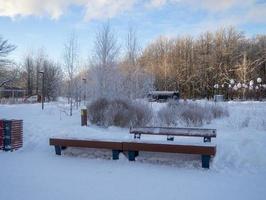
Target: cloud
{"x": 257, "y": 14}
{"x": 103, "y": 9}
{"x": 157, "y": 3}
{"x": 248, "y": 10}
{"x": 94, "y": 9}
{"x": 210, "y": 5}
{"x": 15, "y": 8}
{"x": 216, "y": 5}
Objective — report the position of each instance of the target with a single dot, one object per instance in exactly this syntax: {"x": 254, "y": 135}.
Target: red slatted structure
{"x": 16, "y": 134}
{"x": 11, "y": 134}
{"x": 1, "y": 135}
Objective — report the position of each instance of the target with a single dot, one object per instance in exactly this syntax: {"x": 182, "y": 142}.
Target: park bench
{"x": 63, "y": 143}
{"x": 206, "y": 149}
{"x": 171, "y": 132}
{"x": 131, "y": 147}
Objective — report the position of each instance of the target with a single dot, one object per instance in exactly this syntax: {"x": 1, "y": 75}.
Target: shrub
{"x": 118, "y": 112}
{"x": 141, "y": 115}
{"x": 97, "y": 111}
{"x": 193, "y": 115}
{"x": 190, "y": 114}
{"x": 245, "y": 122}
{"x": 219, "y": 111}
{"x": 263, "y": 124}
{"x": 168, "y": 116}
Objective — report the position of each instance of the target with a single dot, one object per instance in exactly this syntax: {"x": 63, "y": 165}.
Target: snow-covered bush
{"x": 190, "y": 114}
{"x": 168, "y": 115}
{"x": 193, "y": 114}
{"x": 218, "y": 111}
{"x": 245, "y": 122}
{"x": 118, "y": 112}
{"x": 97, "y": 111}
{"x": 141, "y": 115}
{"x": 263, "y": 124}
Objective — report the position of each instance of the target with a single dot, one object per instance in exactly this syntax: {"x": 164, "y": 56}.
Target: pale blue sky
{"x": 34, "y": 24}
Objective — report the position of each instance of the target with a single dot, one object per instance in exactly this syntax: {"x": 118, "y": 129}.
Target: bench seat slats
{"x": 169, "y": 148}
{"x": 133, "y": 147}
{"x": 137, "y": 146}
{"x": 86, "y": 143}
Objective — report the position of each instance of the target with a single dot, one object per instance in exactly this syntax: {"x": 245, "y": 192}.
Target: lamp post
{"x": 84, "y": 88}
{"x": 259, "y": 85}
{"x": 41, "y": 72}
{"x": 84, "y": 112}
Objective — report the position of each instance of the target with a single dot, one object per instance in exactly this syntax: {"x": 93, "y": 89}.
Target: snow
{"x": 163, "y": 92}
{"x": 175, "y": 131}
{"x": 238, "y": 170}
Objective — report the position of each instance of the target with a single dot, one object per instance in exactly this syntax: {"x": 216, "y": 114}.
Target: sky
{"x": 46, "y": 24}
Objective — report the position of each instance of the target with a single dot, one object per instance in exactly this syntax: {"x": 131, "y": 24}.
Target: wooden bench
{"x": 205, "y": 150}
{"x": 132, "y": 147}
{"x": 171, "y": 132}
{"x": 61, "y": 144}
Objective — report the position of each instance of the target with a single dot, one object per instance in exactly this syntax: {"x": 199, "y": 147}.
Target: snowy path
{"x": 34, "y": 172}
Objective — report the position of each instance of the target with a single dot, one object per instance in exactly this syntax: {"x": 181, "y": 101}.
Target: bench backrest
{"x": 173, "y": 131}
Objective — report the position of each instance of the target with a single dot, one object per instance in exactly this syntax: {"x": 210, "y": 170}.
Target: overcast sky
{"x": 34, "y": 24}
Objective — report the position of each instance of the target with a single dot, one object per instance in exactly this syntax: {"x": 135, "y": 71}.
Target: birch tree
{"x": 71, "y": 64}
{"x": 106, "y": 50}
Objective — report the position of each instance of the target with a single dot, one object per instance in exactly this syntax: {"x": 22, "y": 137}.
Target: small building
{"x": 12, "y": 92}
{"x": 162, "y": 96}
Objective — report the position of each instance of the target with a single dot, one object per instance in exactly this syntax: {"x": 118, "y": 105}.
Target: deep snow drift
{"x": 34, "y": 172}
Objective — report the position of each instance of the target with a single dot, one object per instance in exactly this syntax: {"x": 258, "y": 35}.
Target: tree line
{"x": 199, "y": 67}
{"x": 195, "y": 65}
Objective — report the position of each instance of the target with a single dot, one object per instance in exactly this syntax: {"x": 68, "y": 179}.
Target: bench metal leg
{"x": 205, "y": 159}
{"x": 115, "y": 154}
{"x": 63, "y": 148}
{"x": 57, "y": 150}
{"x": 170, "y": 138}
{"x": 207, "y": 139}
{"x": 132, "y": 155}
{"x": 137, "y": 136}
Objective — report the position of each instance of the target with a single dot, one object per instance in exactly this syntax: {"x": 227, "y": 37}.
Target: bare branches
{"x": 71, "y": 55}
{"x": 5, "y": 49}
{"x": 195, "y": 65}
{"x": 5, "y": 82}
{"x": 9, "y": 76}
{"x": 106, "y": 48}
{"x": 71, "y": 64}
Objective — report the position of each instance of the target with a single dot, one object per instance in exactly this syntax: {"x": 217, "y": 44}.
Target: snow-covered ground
{"x": 238, "y": 170}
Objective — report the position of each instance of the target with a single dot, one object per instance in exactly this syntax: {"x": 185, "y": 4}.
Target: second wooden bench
{"x": 132, "y": 148}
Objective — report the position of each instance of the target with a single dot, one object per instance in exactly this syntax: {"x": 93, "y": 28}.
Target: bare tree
{"x": 129, "y": 66}
{"x": 195, "y": 65}
{"x": 71, "y": 64}
{"x": 29, "y": 67}
{"x": 5, "y": 49}
{"x": 53, "y": 78}
{"x": 104, "y": 61}
{"x": 9, "y": 76}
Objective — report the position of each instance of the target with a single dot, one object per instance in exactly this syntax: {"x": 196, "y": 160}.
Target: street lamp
{"x": 84, "y": 81}
{"x": 42, "y": 72}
